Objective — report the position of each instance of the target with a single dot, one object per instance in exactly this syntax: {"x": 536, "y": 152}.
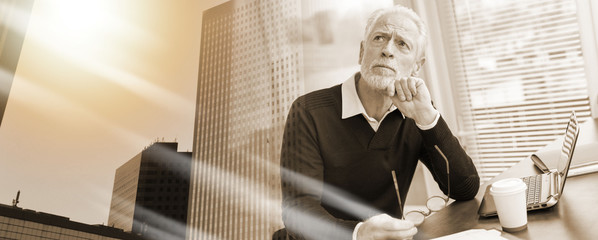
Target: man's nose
{"x": 387, "y": 50}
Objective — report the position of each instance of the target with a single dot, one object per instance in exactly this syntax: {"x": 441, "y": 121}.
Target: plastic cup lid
{"x": 508, "y": 186}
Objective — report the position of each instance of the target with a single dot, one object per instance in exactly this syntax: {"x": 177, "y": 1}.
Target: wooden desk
{"x": 574, "y": 217}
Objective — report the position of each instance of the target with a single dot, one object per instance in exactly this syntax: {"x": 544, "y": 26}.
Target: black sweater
{"x": 337, "y": 172}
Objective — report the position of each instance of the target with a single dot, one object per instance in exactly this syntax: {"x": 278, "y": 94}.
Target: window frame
{"x": 587, "y": 14}
{"x": 437, "y": 73}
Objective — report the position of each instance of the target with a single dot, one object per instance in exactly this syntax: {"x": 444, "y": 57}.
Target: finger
{"x": 390, "y": 90}
{"x": 411, "y": 82}
{"x": 393, "y": 224}
{"x": 402, "y": 234}
{"x": 380, "y": 218}
{"x": 405, "y": 88}
{"x": 399, "y": 91}
{"x": 405, "y": 234}
{"x": 419, "y": 82}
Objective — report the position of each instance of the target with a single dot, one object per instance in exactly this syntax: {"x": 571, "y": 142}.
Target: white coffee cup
{"x": 510, "y": 200}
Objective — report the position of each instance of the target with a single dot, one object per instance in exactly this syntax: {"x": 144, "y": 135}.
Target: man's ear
{"x": 360, "y": 52}
{"x": 418, "y": 66}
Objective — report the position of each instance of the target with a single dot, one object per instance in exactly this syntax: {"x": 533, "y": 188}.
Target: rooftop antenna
{"x": 16, "y": 201}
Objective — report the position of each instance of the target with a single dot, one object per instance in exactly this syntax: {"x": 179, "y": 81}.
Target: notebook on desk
{"x": 586, "y": 159}
{"x": 544, "y": 190}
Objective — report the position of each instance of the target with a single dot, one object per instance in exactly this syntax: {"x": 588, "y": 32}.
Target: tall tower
{"x": 249, "y": 74}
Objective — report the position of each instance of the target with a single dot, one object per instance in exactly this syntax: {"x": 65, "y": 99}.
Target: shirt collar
{"x": 350, "y": 100}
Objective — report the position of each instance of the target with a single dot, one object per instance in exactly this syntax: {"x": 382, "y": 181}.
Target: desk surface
{"x": 574, "y": 217}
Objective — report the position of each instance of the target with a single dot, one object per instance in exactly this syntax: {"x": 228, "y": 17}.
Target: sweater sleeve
{"x": 464, "y": 179}
{"x": 302, "y": 182}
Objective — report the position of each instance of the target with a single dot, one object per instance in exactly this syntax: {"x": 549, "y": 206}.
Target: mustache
{"x": 385, "y": 64}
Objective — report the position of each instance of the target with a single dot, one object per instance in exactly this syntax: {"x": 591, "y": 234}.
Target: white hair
{"x": 398, "y": 9}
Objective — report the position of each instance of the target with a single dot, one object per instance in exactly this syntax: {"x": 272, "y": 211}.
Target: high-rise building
{"x": 252, "y": 67}
{"x": 150, "y": 194}
{"x": 17, "y": 223}
{"x": 249, "y": 74}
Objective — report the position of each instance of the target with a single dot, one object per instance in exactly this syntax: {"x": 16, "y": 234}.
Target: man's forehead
{"x": 396, "y": 21}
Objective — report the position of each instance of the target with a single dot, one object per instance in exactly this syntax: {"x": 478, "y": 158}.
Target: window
{"x": 517, "y": 71}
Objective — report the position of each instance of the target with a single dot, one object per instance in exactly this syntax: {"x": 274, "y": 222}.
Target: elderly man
{"x": 342, "y": 143}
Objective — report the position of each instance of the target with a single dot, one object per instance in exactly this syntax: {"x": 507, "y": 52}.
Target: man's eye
{"x": 402, "y": 44}
{"x": 378, "y": 38}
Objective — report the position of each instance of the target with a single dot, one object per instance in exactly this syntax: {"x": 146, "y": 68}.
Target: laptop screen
{"x": 566, "y": 154}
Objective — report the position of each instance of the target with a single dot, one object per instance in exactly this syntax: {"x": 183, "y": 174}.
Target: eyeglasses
{"x": 433, "y": 204}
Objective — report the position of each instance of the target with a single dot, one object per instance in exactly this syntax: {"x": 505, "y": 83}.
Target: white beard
{"x": 376, "y": 82}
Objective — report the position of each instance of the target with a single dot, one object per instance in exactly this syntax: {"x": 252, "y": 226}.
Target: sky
{"x": 97, "y": 81}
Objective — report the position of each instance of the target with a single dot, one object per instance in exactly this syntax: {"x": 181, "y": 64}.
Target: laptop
{"x": 543, "y": 190}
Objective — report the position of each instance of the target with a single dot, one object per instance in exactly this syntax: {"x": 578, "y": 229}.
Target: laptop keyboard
{"x": 534, "y": 188}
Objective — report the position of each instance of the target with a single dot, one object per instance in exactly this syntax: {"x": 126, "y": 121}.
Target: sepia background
{"x": 99, "y": 81}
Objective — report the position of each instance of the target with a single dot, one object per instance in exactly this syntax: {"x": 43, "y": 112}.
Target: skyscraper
{"x": 251, "y": 68}
{"x": 150, "y": 195}
{"x": 249, "y": 75}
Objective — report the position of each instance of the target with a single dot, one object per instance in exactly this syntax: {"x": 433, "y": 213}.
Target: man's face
{"x": 390, "y": 51}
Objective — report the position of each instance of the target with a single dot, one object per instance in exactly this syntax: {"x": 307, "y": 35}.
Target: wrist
{"x": 426, "y": 117}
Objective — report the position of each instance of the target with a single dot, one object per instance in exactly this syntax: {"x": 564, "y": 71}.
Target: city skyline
{"x": 96, "y": 83}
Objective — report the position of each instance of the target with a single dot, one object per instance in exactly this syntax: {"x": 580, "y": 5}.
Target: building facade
{"x": 151, "y": 193}
{"x": 249, "y": 74}
{"x": 17, "y": 223}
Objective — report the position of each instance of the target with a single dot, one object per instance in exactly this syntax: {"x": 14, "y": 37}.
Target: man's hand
{"x": 386, "y": 227}
{"x": 412, "y": 98}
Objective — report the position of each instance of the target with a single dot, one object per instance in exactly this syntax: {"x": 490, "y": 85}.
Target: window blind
{"x": 517, "y": 70}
